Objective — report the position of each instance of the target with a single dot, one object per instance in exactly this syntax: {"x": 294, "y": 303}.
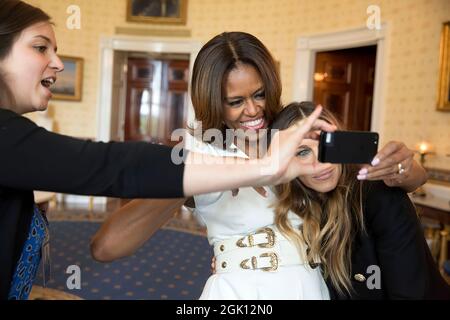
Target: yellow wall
{"x": 414, "y": 27}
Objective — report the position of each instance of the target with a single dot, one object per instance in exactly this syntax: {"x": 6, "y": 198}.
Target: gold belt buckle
{"x": 251, "y": 242}
{"x": 273, "y": 262}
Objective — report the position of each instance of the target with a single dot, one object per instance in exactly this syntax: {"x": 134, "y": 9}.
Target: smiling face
{"x": 326, "y": 176}
{"x": 244, "y": 103}
{"x": 31, "y": 67}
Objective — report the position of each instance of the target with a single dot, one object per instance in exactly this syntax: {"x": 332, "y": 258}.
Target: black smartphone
{"x": 348, "y": 146}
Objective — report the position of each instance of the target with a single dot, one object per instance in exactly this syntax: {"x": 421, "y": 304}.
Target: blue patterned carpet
{"x": 171, "y": 265}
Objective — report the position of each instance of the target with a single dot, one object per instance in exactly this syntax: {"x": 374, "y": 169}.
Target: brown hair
{"x": 15, "y": 16}
{"x": 215, "y": 60}
{"x": 331, "y": 220}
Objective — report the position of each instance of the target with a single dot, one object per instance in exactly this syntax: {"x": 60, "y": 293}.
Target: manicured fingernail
{"x": 362, "y": 171}
{"x": 375, "y": 161}
{"x": 361, "y": 177}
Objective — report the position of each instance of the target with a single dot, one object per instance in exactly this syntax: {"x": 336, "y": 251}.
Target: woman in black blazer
{"x": 367, "y": 236}
{"x": 392, "y": 259}
{"x": 32, "y": 158}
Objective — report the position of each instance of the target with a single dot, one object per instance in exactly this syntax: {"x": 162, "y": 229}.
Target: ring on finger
{"x": 400, "y": 169}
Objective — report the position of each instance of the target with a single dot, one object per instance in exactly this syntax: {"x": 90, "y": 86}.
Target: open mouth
{"x": 48, "y": 82}
{"x": 254, "y": 124}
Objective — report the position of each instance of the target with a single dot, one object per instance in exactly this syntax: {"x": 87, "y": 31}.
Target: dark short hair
{"x": 215, "y": 60}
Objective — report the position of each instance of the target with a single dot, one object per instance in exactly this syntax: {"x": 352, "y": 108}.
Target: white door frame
{"x": 308, "y": 46}
{"x": 137, "y": 44}
{"x": 104, "y": 99}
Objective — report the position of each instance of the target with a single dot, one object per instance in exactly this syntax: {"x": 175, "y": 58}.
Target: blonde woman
{"x": 355, "y": 230}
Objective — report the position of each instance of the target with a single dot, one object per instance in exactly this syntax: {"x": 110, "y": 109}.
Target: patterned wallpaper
{"x": 413, "y": 61}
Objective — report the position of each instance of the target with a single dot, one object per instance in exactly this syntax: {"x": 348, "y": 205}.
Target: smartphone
{"x": 348, "y": 146}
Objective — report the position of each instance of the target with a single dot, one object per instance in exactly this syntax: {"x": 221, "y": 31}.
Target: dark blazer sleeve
{"x": 407, "y": 269}
{"x": 32, "y": 158}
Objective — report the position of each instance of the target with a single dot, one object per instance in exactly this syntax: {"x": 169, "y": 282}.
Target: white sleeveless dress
{"x": 228, "y": 216}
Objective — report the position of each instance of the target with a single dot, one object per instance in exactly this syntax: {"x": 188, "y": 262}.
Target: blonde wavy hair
{"x": 331, "y": 220}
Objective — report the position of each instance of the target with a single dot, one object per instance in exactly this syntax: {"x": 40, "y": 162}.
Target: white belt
{"x": 266, "y": 250}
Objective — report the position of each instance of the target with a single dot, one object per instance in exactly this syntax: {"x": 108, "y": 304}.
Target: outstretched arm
{"x": 204, "y": 173}
{"x": 128, "y": 228}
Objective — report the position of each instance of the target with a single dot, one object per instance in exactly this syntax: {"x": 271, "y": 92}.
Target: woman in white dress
{"x": 232, "y": 218}
{"x": 236, "y": 85}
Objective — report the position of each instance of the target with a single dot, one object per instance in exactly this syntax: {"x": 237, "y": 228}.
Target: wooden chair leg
{"x": 91, "y": 208}
{"x": 443, "y": 255}
{"x": 436, "y": 245}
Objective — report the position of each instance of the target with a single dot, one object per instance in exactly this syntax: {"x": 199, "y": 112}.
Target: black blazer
{"x": 395, "y": 243}
{"x": 32, "y": 158}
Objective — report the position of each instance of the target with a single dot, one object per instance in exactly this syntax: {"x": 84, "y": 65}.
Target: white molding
{"x": 308, "y": 46}
{"x": 136, "y": 44}
{"x": 105, "y": 93}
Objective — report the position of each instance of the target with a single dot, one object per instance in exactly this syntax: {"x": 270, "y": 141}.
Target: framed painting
{"x": 157, "y": 11}
{"x": 69, "y": 82}
{"x": 443, "y": 103}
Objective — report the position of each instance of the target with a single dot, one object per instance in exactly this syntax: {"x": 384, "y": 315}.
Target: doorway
{"x": 344, "y": 83}
{"x": 156, "y": 97}
{"x": 308, "y": 47}
{"x": 113, "y": 64}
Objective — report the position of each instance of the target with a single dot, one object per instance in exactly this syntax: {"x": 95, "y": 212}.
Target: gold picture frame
{"x": 443, "y": 103}
{"x": 69, "y": 83}
{"x": 157, "y": 11}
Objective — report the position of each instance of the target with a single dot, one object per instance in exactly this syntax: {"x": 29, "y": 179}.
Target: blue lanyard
{"x": 30, "y": 257}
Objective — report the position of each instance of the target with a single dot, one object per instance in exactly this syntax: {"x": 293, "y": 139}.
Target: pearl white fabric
{"x": 227, "y": 216}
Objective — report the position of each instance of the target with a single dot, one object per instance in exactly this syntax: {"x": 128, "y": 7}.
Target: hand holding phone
{"x": 348, "y": 146}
